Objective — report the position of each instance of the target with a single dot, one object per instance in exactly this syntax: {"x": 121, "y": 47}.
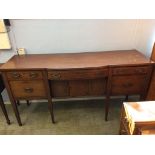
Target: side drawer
{"x": 77, "y": 74}
{"x": 24, "y": 75}
{"x": 128, "y": 84}
{"x": 28, "y": 89}
{"x": 130, "y": 70}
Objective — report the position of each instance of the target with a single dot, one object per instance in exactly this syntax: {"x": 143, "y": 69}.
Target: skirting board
{"x": 72, "y": 99}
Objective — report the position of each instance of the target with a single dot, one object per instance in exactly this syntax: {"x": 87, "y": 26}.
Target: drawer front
{"x": 25, "y": 89}
{"x": 130, "y": 70}
{"x": 129, "y": 84}
{"x": 77, "y": 74}
{"x": 24, "y": 75}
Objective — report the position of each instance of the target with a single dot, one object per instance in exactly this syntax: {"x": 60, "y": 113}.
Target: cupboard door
{"x": 97, "y": 87}
{"x": 79, "y": 88}
{"x": 59, "y": 88}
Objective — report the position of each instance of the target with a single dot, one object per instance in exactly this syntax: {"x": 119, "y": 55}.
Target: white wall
{"x": 40, "y": 36}
{"x": 145, "y": 36}
{"x": 57, "y": 36}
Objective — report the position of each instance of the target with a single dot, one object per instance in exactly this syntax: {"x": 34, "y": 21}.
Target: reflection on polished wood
{"x": 76, "y": 60}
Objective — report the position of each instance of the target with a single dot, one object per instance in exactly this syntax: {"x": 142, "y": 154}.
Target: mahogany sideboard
{"x": 47, "y": 76}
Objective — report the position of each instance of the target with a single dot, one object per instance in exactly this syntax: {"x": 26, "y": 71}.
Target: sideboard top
{"x": 76, "y": 60}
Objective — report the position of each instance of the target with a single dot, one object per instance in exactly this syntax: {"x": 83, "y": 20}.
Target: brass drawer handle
{"x": 56, "y": 76}
{"x": 33, "y": 75}
{"x": 16, "y": 75}
{"x": 28, "y": 90}
{"x": 126, "y": 85}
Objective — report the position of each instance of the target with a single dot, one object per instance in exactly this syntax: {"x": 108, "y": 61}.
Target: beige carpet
{"x": 72, "y": 117}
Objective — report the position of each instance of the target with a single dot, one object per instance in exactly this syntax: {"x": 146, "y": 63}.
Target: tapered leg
{"x": 13, "y": 101}
{"x": 14, "y": 105}
{"x": 49, "y": 95}
{"x": 50, "y": 105}
{"x": 126, "y": 98}
{"x": 28, "y": 103}
{"x": 4, "y": 109}
{"x": 18, "y": 102}
{"x": 107, "y": 108}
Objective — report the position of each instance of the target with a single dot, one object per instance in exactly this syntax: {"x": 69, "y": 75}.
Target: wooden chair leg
{"x": 4, "y": 109}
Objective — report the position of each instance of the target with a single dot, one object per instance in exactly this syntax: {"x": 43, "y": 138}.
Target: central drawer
{"x": 77, "y": 74}
{"x": 28, "y": 89}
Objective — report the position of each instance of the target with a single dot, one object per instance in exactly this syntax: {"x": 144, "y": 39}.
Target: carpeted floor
{"x": 72, "y": 117}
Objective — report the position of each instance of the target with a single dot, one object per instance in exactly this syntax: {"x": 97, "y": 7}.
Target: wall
{"x": 145, "y": 36}
{"x": 57, "y": 36}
